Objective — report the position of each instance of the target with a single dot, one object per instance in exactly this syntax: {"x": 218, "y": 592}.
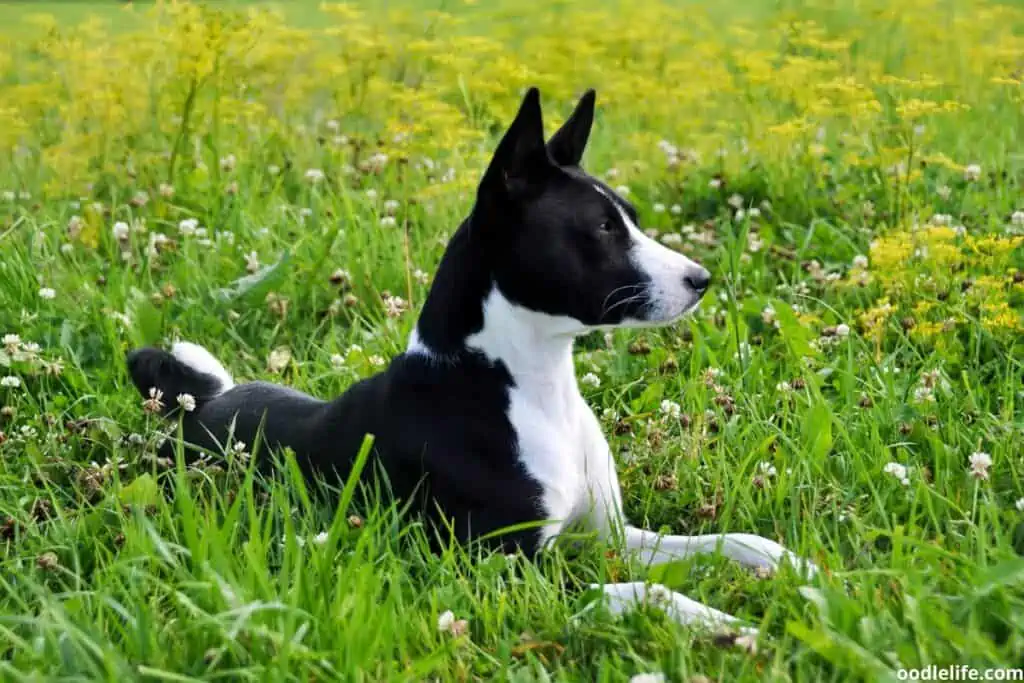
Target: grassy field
{"x": 277, "y": 183}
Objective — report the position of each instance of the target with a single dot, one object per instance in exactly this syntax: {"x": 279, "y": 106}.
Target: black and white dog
{"x": 481, "y": 419}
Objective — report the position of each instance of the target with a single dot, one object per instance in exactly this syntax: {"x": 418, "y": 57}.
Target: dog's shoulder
{"x": 448, "y": 421}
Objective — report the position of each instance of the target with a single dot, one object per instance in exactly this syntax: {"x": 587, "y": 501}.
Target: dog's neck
{"x": 466, "y": 313}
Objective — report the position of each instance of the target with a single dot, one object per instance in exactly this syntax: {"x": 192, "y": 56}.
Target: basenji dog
{"x": 481, "y": 418}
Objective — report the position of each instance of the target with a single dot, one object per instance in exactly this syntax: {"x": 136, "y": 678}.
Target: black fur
{"x": 427, "y": 420}
{"x": 155, "y": 368}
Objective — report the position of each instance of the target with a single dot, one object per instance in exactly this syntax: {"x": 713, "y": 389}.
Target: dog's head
{"x": 564, "y": 244}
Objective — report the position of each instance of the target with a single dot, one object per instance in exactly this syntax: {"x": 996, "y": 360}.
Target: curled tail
{"x": 186, "y": 369}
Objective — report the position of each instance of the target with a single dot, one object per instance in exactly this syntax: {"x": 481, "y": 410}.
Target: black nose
{"x": 699, "y": 281}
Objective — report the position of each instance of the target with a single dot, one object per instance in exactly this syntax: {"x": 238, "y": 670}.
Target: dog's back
{"x": 448, "y": 421}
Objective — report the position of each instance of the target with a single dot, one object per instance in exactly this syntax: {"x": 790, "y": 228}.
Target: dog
{"x": 480, "y": 419}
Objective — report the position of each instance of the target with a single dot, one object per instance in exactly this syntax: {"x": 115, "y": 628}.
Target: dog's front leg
{"x": 622, "y": 597}
{"x": 747, "y": 549}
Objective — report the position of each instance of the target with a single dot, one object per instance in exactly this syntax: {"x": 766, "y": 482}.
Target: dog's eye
{"x": 606, "y": 226}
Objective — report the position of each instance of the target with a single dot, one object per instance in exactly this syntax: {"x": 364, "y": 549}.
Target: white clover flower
{"x": 371, "y": 193}
{"x": 11, "y": 382}
{"x": 923, "y": 394}
{"x": 228, "y": 163}
{"x": 980, "y": 462}
{"x": 47, "y": 293}
{"x": 899, "y": 471}
{"x": 972, "y": 172}
{"x": 188, "y": 226}
{"x": 658, "y": 207}
{"x": 860, "y": 261}
{"x": 121, "y": 231}
{"x": 675, "y": 210}
{"x": 394, "y": 306}
{"x": 391, "y": 205}
{"x": 591, "y": 380}
{"x": 445, "y": 620}
{"x": 75, "y": 225}
{"x": 623, "y": 190}
{"x": 154, "y": 403}
{"x": 388, "y": 221}
{"x": 1020, "y": 504}
{"x": 187, "y": 402}
{"x": 672, "y": 238}
{"x": 1017, "y": 218}
{"x": 671, "y": 408}
{"x": 653, "y": 677}
{"x": 842, "y": 330}
{"x": 376, "y": 361}
{"x": 320, "y": 538}
{"x": 736, "y": 201}
{"x": 314, "y": 175}
{"x": 767, "y": 469}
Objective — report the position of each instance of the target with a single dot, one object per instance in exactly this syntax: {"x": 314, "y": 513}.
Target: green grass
{"x": 115, "y": 567}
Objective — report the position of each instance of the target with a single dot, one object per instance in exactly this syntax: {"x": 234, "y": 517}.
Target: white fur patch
{"x": 416, "y": 345}
{"x": 560, "y": 440}
{"x": 201, "y": 360}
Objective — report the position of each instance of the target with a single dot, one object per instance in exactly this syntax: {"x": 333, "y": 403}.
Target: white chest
{"x": 559, "y": 439}
{"x": 552, "y": 451}
{"x": 562, "y": 447}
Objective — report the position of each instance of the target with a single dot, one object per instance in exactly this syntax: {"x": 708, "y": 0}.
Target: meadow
{"x": 277, "y": 183}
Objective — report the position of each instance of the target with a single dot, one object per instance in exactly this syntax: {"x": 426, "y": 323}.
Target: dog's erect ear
{"x": 521, "y": 160}
{"x": 567, "y": 145}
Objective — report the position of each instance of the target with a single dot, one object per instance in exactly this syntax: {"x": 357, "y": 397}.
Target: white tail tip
{"x": 201, "y": 360}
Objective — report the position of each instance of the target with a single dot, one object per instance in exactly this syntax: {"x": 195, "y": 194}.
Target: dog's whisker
{"x": 615, "y": 291}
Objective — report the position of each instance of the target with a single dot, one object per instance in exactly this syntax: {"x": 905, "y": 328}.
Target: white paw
{"x": 622, "y": 597}
{"x": 767, "y": 555}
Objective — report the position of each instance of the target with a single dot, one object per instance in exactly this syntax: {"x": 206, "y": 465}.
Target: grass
{"x": 866, "y": 312}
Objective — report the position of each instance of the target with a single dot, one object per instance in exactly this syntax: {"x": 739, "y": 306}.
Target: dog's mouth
{"x": 674, "y": 310}
{"x": 660, "y": 311}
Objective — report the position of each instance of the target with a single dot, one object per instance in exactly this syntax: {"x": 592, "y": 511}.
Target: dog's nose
{"x": 698, "y": 281}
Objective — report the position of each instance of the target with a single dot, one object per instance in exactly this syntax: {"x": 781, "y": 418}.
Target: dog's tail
{"x": 186, "y": 369}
